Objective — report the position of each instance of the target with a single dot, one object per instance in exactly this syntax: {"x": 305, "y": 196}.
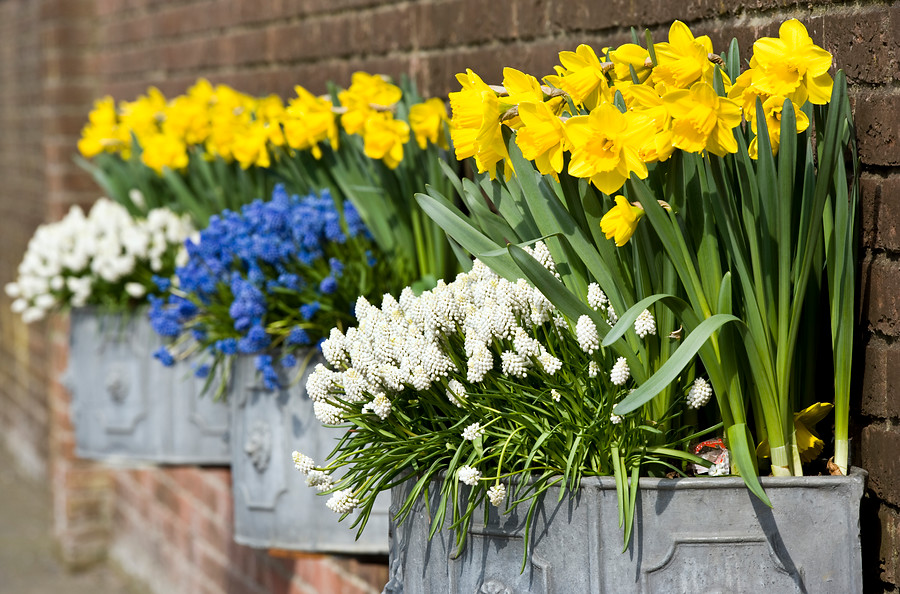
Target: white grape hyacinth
{"x": 107, "y": 245}
{"x": 586, "y": 333}
{"x": 620, "y": 372}
{"x": 468, "y": 475}
{"x": 302, "y": 462}
{"x": 596, "y": 298}
{"x": 473, "y": 432}
{"x": 342, "y": 502}
{"x": 497, "y": 494}
{"x": 699, "y": 394}
{"x": 645, "y": 325}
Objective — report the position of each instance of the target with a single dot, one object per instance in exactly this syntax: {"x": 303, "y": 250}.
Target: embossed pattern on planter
{"x": 691, "y": 535}
{"x": 273, "y": 506}
{"x": 128, "y": 407}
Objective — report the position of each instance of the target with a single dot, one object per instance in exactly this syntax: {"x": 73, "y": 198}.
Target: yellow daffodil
{"x": 809, "y": 444}
{"x": 367, "y": 94}
{"x": 792, "y": 60}
{"x": 426, "y": 120}
{"x": 702, "y": 120}
{"x": 644, "y": 100}
{"x": 683, "y": 59}
{"x": 772, "y": 108}
{"x": 520, "y": 88}
{"x": 309, "y": 120}
{"x": 621, "y": 221}
{"x": 188, "y": 119}
{"x": 605, "y": 146}
{"x": 163, "y": 150}
{"x": 624, "y": 58}
{"x": 144, "y": 115}
{"x": 249, "y": 147}
{"x": 384, "y": 138}
{"x": 542, "y": 137}
{"x": 582, "y": 77}
{"x": 475, "y": 124}
{"x": 102, "y": 133}
{"x": 201, "y": 91}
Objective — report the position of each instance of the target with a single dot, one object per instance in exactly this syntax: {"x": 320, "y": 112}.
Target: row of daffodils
{"x": 644, "y": 234}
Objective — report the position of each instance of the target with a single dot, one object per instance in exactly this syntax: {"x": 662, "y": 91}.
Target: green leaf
{"x": 673, "y": 367}
{"x": 743, "y": 455}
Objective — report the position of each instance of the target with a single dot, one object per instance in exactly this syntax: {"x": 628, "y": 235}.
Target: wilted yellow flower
{"x": 582, "y": 77}
{"x": 163, "y": 150}
{"x": 427, "y": 122}
{"x": 542, "y": 137}
{"x": 772, "y": 108}
{"x": 384, "y": 138}
{"x": 308, "y": 121}
{"x": 808, "y": 443}
{"x": 684, "y": 59}
{"x": 605, "y": 146}
{"x": 621, "y": 221}
{"x": 367, "y": 94}
{"x": 792, "y": 60}
{"x": 250, "y": 145}
{"x": 702, "y": 120}
{"x": 475, "y": 125}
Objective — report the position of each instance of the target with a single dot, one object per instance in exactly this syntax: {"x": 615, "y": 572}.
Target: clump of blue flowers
{"x": 269, "y": 280}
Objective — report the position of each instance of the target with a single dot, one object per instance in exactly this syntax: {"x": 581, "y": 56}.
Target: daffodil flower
{"x": 790, "y": 61}
{"x": 772, "y": 108}
{"x": 582, "y": 77}
{"x": 308, "y": 121}
{"x": 250, "y": 146}
{"x": 605, "y": 146}
{"x": 542, "y": 138}
{"x": 621, "y": 221}
{"x": 163, "y": 150}
{"x": 702, "y": 120}
{"x": 384, "y": 138}
{"x": 684, "y": 59}
{"x": 809, "y": 444}
{"x": 475, "y": 125}
{"x": 426, "y": 120}
{"x": 520, "y": 88}
{"x": 365, "y": 91}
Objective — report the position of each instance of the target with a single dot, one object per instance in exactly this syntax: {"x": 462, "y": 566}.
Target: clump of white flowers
{"x": 342, "y": 502}
{"x": 645, "y": 325}
{"x": 699, "y": 393}
{"x": 468, "y": 475}
{"x": 620, "y": 372}
{"x": 497, "y": 494}
{"x": 586, "y": 333}
{"x": 104, "y": 255}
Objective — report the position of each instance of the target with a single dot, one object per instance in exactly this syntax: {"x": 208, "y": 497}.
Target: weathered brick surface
{"x": 56, "y": 56}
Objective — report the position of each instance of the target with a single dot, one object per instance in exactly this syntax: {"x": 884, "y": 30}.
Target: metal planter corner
{"x": 127, "y": 407}
{"x": 691, "y": 535}
{"x": 273, "y": 506}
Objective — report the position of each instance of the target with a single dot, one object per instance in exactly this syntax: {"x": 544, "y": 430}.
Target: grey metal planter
{"x": 126, "y": 406}
{"x": 273, "y": 506}
{"x": 691, "y": 535}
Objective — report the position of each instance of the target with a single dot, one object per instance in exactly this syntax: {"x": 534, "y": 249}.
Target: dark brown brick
{"x": 877, "y": 115}
{"x": 863, "y": 44}
{"x": 889, "y": 551}
{"x": 880, "y": 206}
{"x": 880, "y": 444}
{"x": 881, "y": 294}
{"x": 881, "y": 379}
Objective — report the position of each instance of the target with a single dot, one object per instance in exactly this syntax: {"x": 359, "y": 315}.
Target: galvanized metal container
{"x": 691, "y": 535}
{"x": 128, "y": 407}
{"x": 273, "y": 506}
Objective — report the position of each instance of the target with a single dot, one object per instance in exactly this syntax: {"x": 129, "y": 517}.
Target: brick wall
{"x": 56, "y": 56}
